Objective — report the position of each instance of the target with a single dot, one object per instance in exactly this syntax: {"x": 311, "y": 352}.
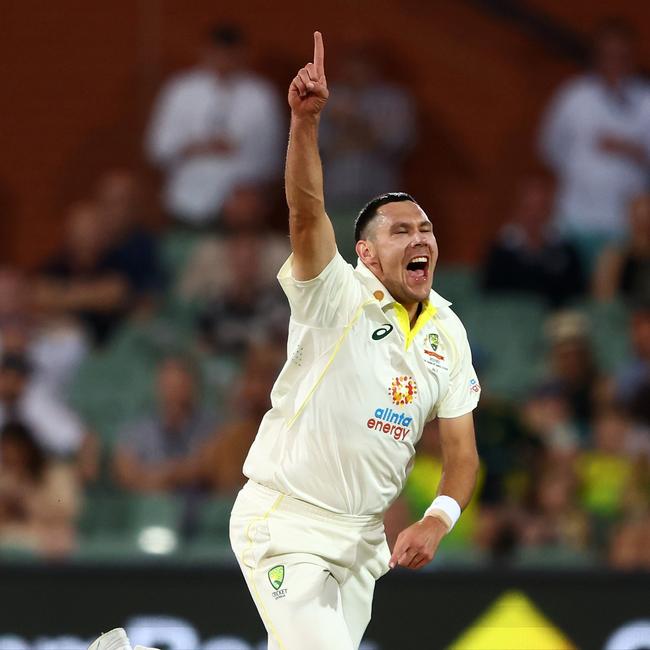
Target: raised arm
{"x": 312, "y": 235}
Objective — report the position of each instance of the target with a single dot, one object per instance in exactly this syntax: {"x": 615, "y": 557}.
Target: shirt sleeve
{"x": 328, "y": 300}
{"x": 464, "y": 390}
{"x": 167, "y": 133}
{"x": 645, "y": 140}
{"x": 557, "y": 130}
{"x": 56, "y": 427}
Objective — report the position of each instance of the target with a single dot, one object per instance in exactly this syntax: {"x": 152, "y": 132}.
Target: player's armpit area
{"x": 328, "y": 300}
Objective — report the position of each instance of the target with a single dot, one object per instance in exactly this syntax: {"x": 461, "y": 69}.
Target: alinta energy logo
{"x": 403, "y": 390}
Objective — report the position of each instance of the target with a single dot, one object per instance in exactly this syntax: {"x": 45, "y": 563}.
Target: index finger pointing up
{"x": 319, "y": 54}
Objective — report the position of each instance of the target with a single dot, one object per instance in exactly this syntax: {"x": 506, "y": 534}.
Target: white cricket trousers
{"x": 311, "y": 572}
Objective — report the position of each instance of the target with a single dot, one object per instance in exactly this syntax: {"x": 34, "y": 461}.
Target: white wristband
{"x": 444, "y": 508}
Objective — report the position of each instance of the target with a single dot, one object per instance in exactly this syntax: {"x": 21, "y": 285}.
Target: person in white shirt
{"x": 595, "y": 135}
{"x": 373, "y": 354}
{"x": 213, "y": 127}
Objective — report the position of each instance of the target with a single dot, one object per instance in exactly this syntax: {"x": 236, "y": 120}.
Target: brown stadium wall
{"x": 78, "y": 79}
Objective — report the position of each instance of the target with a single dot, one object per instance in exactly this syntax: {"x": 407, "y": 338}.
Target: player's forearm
{"x": 304, "y": 172}
{"x": 459, "y": 477}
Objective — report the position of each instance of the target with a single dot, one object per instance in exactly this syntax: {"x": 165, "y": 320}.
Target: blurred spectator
{"x": 573, "y": 369}
{"x": 213, "y": 127}
{"x": 624, "y": 269}
{"x": 225, "y": 452}
{"x": 56, "y": 428}
{"x": 54, "y": 346}
{"x": 595, "y": 135}
{"x": 553, "y": 520}
{"x": 632, "y": 382}
{"x": 547, "y": 415}
{"x": 367, "y": 129}
{"x": 39, "y": 498}
{"x": 245, "y": 212}
{"x": 81, "y": 280}
{"x": 529, "y": 255}
{"x": 250, "y": 307}
{"x": 606, "y": 471}
{"x": 507, "y": 449}
{"x": 158, "y": 452}
{"x": 131, "y": 249}
{"x": 629, "y": 548}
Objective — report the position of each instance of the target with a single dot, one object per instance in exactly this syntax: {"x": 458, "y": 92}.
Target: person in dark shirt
{"x": 81, "y": 281}
{"x": 131, "y": 248}
{"x": 528, "y": 255}
{"x": 248, "y": 309}
{"x": 160, "y": 451}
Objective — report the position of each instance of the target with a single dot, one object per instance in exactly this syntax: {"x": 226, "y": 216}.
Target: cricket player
{"x": 373, "y": 355}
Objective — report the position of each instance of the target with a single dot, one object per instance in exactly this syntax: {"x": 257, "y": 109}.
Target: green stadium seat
{"x": 18, "y": 554}
{"x": 113, "y": 523}
{"x": 211, "y": 542}
{"x": 175, "y": 249}
{"x": 609, "y": 331}
{"x": 206, "y": 551}
{"x": 146, "y": 510}
{"x": 214, "y": 518}
{"x": 459, "y": 285}
{"x": 104, "y": 512}
{"x": 343, "y": 223}
{"x": 506, "y": 334}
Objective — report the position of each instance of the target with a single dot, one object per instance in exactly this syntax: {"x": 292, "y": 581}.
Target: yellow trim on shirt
{"x": 337, "y": 347}
{"x": 405, "y": 322}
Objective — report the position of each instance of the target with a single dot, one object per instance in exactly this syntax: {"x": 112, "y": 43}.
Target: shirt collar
{"x": 381, "y": 294}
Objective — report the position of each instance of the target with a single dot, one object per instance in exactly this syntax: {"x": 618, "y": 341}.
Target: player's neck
{"x": 413, "y": 310}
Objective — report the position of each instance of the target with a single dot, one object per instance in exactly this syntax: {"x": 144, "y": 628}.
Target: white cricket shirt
{"x": 357, "y": 389}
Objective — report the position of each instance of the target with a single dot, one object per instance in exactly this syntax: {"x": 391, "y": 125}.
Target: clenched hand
{"x": 417, "y": 544}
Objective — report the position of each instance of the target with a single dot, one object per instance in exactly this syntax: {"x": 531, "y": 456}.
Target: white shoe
{"x": 114, "y": 640}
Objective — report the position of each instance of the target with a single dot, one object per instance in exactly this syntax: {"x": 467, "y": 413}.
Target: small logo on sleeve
{"x": 382, "y": 332}
{"x": 474, "y": 386}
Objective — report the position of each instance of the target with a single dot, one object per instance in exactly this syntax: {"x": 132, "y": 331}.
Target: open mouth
{"x": 418, "y": 268}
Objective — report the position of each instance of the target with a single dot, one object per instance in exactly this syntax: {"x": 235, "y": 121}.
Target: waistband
{"x": 303, "y": 508}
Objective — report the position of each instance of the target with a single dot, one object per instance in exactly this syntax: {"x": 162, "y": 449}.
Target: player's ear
{"x": 365, "y": 250}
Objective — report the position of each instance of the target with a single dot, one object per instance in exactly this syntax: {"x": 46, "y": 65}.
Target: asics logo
{"x": 382, "y": 332}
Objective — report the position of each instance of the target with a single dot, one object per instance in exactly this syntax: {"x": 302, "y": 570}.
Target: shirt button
{"x": 379, "y": 295}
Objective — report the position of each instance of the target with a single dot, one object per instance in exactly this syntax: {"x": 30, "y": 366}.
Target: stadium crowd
{"x": 135, "y": 365}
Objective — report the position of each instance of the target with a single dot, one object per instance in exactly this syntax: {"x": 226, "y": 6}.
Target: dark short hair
{"x": 18, "y": 433}
{"x": 226, "y": 35}
{"x": 16, "y": 363}
{"x": 369, "y": 211}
